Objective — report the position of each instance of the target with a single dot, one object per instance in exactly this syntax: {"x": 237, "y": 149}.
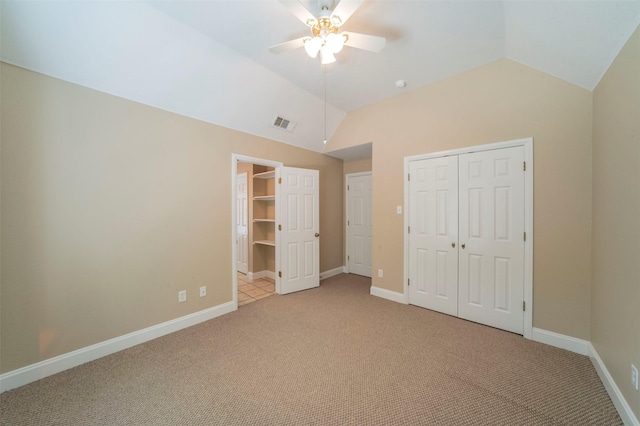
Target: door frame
{"x": 234, "y": 170}
{"x": 527, "y": 144}
{"x": 346, "y": 215}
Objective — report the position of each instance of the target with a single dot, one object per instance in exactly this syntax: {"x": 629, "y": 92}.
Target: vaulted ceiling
{"x": 209, "y": 59}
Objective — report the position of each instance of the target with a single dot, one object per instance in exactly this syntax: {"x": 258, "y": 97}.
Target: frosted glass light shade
{"x": 335, "y": 42}
{"x": 327, "y": 55}
{"x": 313, "y": 46}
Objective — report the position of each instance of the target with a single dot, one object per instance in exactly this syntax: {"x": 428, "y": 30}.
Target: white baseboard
{"x": 261, "y": 274}
{"x": 40, "y": 370}
{"x": 388, "y": 294}
{"x": 332, "y": 272}
{"x": 584, "y": 347}
{"x": 624, "y": 410}
{"x": 561, "y": 341}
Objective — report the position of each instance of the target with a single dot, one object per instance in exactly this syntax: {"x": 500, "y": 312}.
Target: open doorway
{"x": 255, "y": 248}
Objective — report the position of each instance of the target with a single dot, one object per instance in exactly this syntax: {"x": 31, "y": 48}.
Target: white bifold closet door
{"x": 433, "y": 256}
{"x": 466, "y": 236}
{"x": 491, "y": 224}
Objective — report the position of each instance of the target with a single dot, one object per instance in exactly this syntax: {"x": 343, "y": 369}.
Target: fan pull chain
{"x": 324, "y": 72}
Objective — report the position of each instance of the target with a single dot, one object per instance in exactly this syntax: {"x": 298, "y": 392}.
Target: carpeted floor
{"x": 329, "y": 356}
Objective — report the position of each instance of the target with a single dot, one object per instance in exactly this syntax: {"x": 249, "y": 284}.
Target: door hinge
{"x": 279, "y": 227}
{"x": 524, "y": 166}
{"x": 408, "y": 176}
{"x": 525, "y": 236}
{"x": 348, "y": 223}
{"x": 280, "y": 274}
{"x": 408, "y": 281}
{"x": 523, "y": 305}
{"x": 348, "y": 187}
{"x": 279, "y": 180}
{"x": 408, "y": 229}
{"x": 348, "y": 257}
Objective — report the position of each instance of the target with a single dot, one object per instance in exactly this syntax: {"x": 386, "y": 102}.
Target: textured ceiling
{"x": 209, "y": 59}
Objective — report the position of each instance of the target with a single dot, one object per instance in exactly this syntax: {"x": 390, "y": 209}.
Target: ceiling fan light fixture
{"x": 327, "y": 55}
{"x": 312, "y": 46}
{"x": 335, "y": 42}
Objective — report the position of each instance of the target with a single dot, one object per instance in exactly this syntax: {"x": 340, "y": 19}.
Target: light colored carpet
{"x": 329, "y": 356}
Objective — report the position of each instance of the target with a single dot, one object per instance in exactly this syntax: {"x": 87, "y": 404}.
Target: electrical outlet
{"x": 380, "y": 273}
{"x": 634, "y": 376}
{"x": 203, "y": 291}
{"x": 182, "y": 296}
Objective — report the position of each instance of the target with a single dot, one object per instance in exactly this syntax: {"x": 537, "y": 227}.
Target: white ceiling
{"x": 209, "y": 59}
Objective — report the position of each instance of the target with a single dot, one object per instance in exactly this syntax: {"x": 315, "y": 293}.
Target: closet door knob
{"x": 453, "y": 245}
{"x": 317, "y": 234}
{"x": 462, "y": 245}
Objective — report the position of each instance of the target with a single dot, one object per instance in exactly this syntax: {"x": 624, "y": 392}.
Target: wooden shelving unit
{"x": 270, "y": 174}
{"x": 264, "y": 228}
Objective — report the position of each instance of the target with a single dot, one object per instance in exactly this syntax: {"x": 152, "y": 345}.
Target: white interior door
{"x": 242, "y": 237}
{"x": 433, "y": 234}
{"x": 491, "y": 224}
{"x": 359, "y": 224}
{"x": 298, "y": 196}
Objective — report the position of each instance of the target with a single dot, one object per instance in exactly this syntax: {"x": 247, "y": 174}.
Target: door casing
{"x": 527, "y": 143}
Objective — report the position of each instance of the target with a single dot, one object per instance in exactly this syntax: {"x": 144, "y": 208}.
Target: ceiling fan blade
{"x": 300, "y": 12}
{"x": 288, "y": 45}
{"x": 365, "y": 41}
{"x": 344, "y": 10}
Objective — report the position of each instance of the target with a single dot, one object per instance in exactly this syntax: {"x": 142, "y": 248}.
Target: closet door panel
{"x": 433, "y": 223}
{"x": 491, "y": 226}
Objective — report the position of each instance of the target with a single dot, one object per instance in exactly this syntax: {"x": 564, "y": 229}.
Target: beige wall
{"x": 497, "y": 102}
{"x": 357, "y": 165}
{"x": 615, "y": 321}
{"x": 110, "y": 207}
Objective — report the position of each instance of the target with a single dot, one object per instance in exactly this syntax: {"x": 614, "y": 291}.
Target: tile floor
{"x": 250, "y": 291}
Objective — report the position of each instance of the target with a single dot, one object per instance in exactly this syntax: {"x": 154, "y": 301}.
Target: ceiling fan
{"x": 327, "y": 38}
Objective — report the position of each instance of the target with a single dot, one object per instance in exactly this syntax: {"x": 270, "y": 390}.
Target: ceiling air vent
{"x": 283, "y": 123}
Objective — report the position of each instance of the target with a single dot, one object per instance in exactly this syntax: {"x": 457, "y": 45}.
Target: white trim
{"x": 42, "y": 369}
{"x": 346, "y": 215}
{"x": 389, "y": 295}
{"x": 621, "y": 404}
{"x": 561, "y": 341}
{"x": 527, "y": 143}
{"x": 406, "y": 225}
{"x": 528, "y": 245}
{"x": 470, "y": 149}
{"x": 333, "y": 272}
{"x": 234, "y": 170}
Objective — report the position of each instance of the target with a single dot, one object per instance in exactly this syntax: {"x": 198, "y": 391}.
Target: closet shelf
{"x": 265, "y": 175}
{"x": 265, "y": 243}
{"x": 264, "y": 197}
{"x": 264, "y": 220}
